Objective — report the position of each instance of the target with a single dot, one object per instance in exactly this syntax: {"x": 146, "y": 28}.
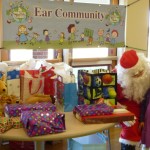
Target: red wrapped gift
{"x": 43, "y": 122}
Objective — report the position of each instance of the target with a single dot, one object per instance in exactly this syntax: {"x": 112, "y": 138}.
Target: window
{"x": 29, "y": 54}
{"x": 92, "y": 1}
{"x": 92, "y": 56}
{"x": 89, "y": 52}
{"x": 15, "y": 55}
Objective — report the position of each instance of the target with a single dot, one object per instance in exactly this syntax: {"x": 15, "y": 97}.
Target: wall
{"x": 137, "y": 25}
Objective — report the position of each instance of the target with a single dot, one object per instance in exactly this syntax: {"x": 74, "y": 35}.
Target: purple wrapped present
{"x": 43, "y": 122}
{"x": 14, "y": 110}
{"x": 93, "y": 109}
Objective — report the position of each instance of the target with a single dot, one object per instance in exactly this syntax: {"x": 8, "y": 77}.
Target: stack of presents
{"x": 36, "y": 99}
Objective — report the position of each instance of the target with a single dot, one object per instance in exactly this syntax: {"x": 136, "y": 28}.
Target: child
{"x": 145, "y": 121}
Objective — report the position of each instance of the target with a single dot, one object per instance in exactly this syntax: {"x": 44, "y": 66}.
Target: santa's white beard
{"x": 136, "y": 88}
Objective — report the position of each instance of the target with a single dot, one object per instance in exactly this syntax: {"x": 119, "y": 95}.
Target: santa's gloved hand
{"x": 130, "y": 123}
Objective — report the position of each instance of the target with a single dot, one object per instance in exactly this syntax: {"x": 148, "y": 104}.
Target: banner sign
{"x": 43, "y": 24}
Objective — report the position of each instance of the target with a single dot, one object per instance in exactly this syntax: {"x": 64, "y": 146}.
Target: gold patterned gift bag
{"x": 30, "y": 86}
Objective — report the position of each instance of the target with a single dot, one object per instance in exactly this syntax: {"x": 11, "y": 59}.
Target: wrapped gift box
{"x": 16, "y": 122}
{"x": 117, "y": 116}
{"x": 93, "y": 110}
{"x": 42, "y": 122}
{"x": 5, "y": 124}
{"x": 14, "y": 110}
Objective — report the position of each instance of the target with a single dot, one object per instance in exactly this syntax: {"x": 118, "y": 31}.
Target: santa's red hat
{"x": 129, "y": 59}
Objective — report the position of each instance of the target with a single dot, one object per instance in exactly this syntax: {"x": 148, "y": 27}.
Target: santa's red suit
{"x": 133, "y": 78}
{"x": 129, "y": 135}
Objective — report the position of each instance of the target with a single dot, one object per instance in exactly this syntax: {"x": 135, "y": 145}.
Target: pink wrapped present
{"x": 14, "y": 110}
{"x": 93, "y": 109}
{"x": 43, "y": 122}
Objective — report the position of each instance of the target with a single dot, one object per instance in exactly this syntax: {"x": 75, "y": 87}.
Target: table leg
{"x": 108, "y": 136}
{"x": 39, "y": 145}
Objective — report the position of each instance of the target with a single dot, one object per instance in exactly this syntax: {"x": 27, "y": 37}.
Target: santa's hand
{"x": 129, "y": 123}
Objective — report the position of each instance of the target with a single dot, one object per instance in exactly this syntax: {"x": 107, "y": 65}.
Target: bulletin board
{"x": 32, "y": 24}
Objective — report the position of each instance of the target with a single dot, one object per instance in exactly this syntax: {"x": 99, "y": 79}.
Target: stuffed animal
{"x": 37, "y": 98}
{"x": 4, "y": 97}
{"x": 9, "y": 99}
{"x": 3, "y": 86}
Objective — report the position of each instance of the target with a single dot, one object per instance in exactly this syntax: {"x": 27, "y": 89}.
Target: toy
{"x": 4, "y": 97}
{"x": 37, "y": 98}
{"x": 112, "y": 93}
{"x": 107, "y": 78}
{"x": 3, "y": 86}
{"x": 9, "y": 99}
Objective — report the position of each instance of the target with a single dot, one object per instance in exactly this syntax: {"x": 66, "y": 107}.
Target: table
{"x": 74, "y": 128}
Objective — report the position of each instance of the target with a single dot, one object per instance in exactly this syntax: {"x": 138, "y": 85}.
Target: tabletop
{"x": 74, "y": 128}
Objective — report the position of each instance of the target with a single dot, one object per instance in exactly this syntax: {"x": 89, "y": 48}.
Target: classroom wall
{"x": 1, "y": 31}
{"x": 137, "y": 25}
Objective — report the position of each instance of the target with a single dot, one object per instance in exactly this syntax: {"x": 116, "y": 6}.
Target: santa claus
{"x": 133, "y": 72}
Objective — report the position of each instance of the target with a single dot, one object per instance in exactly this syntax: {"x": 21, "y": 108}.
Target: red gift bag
{"x": 49, "y": 82}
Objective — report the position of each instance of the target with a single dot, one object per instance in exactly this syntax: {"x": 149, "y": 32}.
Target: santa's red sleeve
{"x": 129, "y": 135}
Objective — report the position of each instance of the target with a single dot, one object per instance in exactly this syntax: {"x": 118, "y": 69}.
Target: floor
{"x": 62, "y": 145}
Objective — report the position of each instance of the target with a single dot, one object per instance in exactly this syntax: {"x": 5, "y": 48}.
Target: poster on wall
{"x": 43, "y": 24}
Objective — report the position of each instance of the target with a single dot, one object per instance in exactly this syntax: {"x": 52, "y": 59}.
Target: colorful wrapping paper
{"x": 16, "y": 122}
{"x": 93, "y": 109}
{"x": 42, "y": 122}
{"x": 14, "y": 110}
{"x": 101, "y": 113}
{"x": 95, "y": 85}
{"x": 5, "y": 124}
